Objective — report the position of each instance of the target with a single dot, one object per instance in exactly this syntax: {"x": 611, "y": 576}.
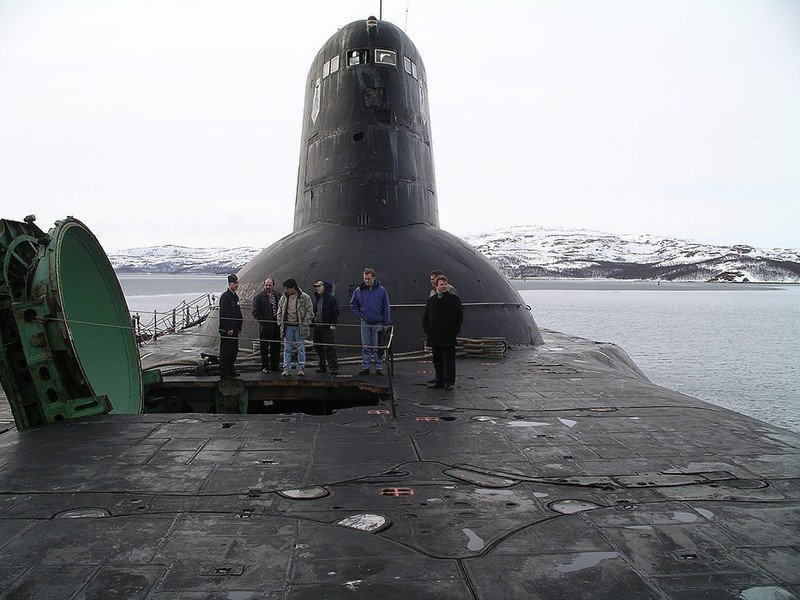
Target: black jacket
{"x": 330, "y": 307}
{"x": 442, "y": 320}
{"x": 230, "y": 315}
{"x": 266, "y": 317}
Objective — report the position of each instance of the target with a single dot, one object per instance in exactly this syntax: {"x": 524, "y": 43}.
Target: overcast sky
{"x": 164, "y": 121}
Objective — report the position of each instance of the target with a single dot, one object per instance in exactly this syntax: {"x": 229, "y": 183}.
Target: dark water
{"x": 737, "y": 346}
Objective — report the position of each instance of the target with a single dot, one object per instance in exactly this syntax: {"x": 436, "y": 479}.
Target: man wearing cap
{"x": 230, "y": 324}
{"x": 326, "y": 315}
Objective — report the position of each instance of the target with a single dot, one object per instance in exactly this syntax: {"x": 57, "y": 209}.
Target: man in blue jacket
{"x": 370, "y": 305}
{"x": 326, "y": 315}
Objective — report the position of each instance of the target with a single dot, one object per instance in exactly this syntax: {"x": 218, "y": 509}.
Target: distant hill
{"x": 530, "y": 251}
{"x": 182, "y": 259}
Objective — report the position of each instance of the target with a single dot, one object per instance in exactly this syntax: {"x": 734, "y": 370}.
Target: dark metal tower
{"x": 366, "y": 196}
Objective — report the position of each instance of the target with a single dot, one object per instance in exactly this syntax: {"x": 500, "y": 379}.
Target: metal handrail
{"x": 422, "y": 305}
{"x": 168, "y": 322}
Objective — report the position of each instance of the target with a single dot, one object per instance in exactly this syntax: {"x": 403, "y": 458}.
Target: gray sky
{"x": 164, "y": 121}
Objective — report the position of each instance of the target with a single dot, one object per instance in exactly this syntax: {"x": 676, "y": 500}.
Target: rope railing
{"x": 422, "y": 305}
{"x": 193, "y": 312}
{"x": 464, "y": 346}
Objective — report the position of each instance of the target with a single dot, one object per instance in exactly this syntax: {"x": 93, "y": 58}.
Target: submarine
{"x": 556, "y": 471}
{"x": 366, "y": 197}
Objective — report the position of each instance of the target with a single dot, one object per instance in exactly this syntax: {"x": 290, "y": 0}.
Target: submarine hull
{"x": 402, "y": 258}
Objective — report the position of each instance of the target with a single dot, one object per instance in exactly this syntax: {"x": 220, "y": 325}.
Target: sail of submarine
{"x": 366, "y": 196}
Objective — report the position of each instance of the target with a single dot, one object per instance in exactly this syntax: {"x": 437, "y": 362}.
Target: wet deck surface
{"x": 553, "y": 473}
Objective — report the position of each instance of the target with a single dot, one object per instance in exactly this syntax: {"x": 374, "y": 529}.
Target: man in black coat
{"x": 326, "y": 316}
{"x": 265, "y": 311}
{"x": 442, "y": 323}
{"x": 230, "y": 324}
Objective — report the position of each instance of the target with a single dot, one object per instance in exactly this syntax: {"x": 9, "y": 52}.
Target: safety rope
{"x": 480, "y": 347}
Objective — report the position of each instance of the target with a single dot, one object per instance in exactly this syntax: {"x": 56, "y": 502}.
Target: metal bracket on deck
{"x": 231, "y": 397}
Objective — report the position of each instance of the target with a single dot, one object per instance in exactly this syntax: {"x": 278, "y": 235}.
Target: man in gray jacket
{"x": 295, "y": 313}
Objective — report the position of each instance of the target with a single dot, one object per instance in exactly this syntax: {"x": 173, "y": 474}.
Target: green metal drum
{"x": 68, "y": 347}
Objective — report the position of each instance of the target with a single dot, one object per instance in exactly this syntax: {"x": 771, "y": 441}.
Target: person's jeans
{"x": 369, "y": 344}
{"x": 292, "y": 338}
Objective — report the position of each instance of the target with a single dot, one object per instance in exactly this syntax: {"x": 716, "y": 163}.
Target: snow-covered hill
{"x": 530, "y": 251}
{"x": 181, "y": 259}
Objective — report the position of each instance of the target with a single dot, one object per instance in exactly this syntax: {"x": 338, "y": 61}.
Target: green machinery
{"x": 67, "y": 348}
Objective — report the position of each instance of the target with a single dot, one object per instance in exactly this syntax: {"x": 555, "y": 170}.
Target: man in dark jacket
{"x": 442, "y": 323}
{"x": 370, "y": 305}
{"x": 230, "y": 324}
{"x": 326, "y": 316}
{"x": 265, "y": 311}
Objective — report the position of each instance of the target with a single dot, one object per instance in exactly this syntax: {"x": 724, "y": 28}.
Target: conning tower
{"x": 366, "y": 196}
{"x": 365, "y": 150}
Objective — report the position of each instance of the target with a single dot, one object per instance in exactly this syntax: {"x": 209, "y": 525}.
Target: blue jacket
{"x": 372, "y": 305}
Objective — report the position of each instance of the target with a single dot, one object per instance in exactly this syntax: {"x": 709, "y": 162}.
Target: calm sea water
{"x": 737, "y": 346}
{"x": 146, "y": 293}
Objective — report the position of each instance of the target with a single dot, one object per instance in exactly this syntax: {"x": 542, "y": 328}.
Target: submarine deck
{"x": 557, "y": 472}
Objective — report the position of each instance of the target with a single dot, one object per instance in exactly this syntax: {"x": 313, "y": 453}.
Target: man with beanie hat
{"x": 326, "y": 316}
{"x": 230, "y": 324}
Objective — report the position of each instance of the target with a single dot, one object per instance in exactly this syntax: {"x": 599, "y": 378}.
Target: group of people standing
{"x": 294, "y": 316}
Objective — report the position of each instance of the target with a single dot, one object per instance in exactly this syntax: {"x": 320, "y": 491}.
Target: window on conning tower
{"x": 386, "y": 57}
{"x": 357, "y": 57}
